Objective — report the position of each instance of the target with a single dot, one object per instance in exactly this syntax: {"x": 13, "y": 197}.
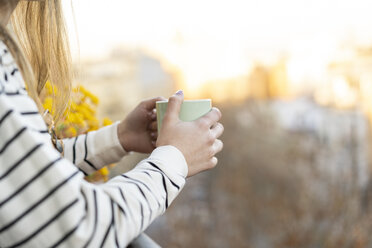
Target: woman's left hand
{"x": 138, "y": 131}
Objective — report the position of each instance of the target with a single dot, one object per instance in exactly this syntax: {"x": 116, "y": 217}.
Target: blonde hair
{"x": 41, "y": 51}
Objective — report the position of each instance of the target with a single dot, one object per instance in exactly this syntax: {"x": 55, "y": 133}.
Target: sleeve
{"x": 45, "y": 202}
{"x": 91, "y": 151}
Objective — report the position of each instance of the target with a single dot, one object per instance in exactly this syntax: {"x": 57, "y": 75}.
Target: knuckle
{"x": 210, "y": 138}
{"x": 203, "y": 123}
{"x": 210, "y": 152}
{"x": 173, "y": 99}
{"x": 217, "y": 112}
{"x": 220, "y": 145}
{"x": 213, "y": 162}
{"x": 222, "y": 127}
{"x": 219, "y": 129}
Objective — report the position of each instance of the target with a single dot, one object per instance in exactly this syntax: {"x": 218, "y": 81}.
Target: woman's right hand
{"x": 197, "y": 140}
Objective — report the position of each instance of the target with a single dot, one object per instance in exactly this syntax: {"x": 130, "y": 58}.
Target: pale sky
{"x": 222, "y": 37}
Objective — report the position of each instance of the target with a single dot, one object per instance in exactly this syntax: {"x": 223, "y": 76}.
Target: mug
{"x": 190, "y": 110}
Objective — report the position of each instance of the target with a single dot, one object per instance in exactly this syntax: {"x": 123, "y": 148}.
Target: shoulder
{"x": 11, "y": 81}
{"x": 13, "y": 94}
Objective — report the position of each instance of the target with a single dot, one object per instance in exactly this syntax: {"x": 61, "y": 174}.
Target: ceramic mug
{"x": 190, "y": 110}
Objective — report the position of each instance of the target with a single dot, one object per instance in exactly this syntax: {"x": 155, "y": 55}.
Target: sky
{"x": 216, "y": 39}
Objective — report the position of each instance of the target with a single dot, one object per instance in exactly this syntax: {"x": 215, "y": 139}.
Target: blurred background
{"x": 293, "y": 79}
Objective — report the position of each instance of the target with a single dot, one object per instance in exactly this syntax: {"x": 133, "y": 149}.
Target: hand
{"x": 197, "y": 140}
{"x": 138, "y": 131}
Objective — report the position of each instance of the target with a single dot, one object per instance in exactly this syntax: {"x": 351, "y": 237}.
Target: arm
{"x": 91, "y": 151}
{"x": 45, "y": 201}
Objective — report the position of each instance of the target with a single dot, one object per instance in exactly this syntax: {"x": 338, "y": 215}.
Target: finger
{"x": 153, "y": 126}
{"x": 211, "y": 117}
{"x": 174, "y": 106}
{"x": 151, "y": 116}
{"x": 154, "y": 135}
{"x": 217, "y": 146}
{"x": 212, "y": 163}
{"x": 150, "y": 103}
{"x": 217, "y": 130}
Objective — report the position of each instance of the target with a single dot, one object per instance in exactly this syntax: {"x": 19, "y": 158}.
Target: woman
{"x": 44, "y": 200}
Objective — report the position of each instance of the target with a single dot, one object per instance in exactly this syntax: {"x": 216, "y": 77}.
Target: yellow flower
{"x": 104, "y": 171}
{"x": 48, "y": 104}
{"x": 106, "y": 121}
{"x": 51, "y": 90}
{"x": 88, "y": 94}
{"x": 84, "y": 112}
{"x": 72, "y": 106}
{"x": 93, "y": 124}
{"x": 71, "y": 132}
{"x": 88, "y": 107}
{"x": 75, "y": 118}
{"x": 79, "y": 117}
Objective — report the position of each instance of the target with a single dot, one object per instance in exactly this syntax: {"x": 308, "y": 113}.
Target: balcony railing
{"x": 143, "y": 241}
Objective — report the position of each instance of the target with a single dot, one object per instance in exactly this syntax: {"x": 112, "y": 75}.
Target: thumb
{"x": 174, "y": 105}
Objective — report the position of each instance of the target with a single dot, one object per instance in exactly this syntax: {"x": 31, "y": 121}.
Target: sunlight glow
{"x": 208, "y": 40}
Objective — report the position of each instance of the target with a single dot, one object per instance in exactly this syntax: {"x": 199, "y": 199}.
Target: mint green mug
{"x": 190, "y": 110}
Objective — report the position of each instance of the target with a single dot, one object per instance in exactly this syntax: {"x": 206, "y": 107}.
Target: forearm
{"x": 51, "y": 204}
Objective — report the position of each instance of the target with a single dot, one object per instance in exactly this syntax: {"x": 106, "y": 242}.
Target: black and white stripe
{"x": 44, "y": 200}
{"x": 86, "y": 153}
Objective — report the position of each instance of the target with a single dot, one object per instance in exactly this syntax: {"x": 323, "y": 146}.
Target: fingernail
{"x": 180, "y": 93}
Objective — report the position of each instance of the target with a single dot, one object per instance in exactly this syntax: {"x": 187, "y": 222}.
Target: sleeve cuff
{"x": 106, "y": 145}
{"x": 171, "y": 160}
{"x": 110, "y": 135}
{"x": 114, "y": 133}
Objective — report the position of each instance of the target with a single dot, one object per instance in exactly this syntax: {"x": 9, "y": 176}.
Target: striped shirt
{"x": 44, "y": 199}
